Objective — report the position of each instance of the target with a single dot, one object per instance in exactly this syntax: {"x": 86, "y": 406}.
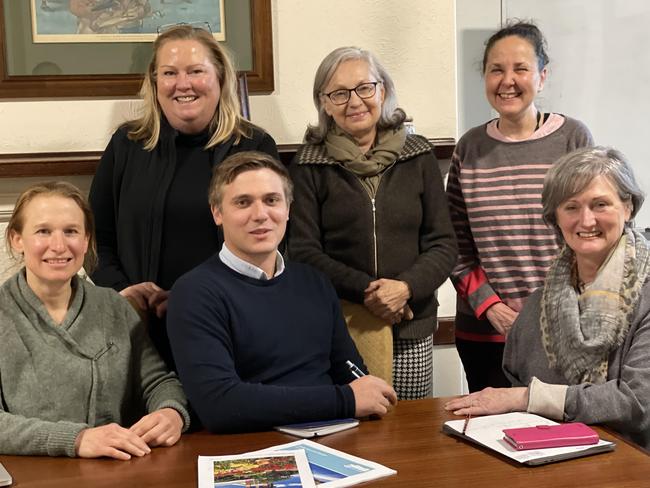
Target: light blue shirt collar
{"x": 247, "y": 269}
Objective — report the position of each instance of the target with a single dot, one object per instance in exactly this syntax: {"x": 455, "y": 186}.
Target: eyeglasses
{"x": 342, "y": 95}
{"x": 195, "y": 25}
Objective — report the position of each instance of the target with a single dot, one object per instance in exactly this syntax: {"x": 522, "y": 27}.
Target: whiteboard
{"x": 599, "y": 71}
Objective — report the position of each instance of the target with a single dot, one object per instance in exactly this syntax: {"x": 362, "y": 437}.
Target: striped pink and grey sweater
{"x": 494, "y": 191}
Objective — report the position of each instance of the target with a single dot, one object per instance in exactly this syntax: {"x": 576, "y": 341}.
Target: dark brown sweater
{"x": 404, "y": 233}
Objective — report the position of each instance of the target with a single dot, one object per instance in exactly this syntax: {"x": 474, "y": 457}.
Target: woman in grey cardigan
{"x": 78, "y": 374}
{"x": 579, "y": 349}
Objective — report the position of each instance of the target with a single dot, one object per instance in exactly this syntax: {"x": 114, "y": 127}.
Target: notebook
{"x": 488, "y": 430}
{"x": 313, "y": 429}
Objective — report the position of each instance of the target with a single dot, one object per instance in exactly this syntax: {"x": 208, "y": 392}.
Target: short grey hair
{"x": 573, "y": 172}
{"x": 392, "y": 117}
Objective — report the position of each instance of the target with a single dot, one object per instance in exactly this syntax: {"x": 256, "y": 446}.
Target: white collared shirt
{"x": 247, "y": 269}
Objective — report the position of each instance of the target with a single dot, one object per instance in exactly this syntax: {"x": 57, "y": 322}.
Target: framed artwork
{"x": 31, "y": 69}
{"x": 73, "y": 21}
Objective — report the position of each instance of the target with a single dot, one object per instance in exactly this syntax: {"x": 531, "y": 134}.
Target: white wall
{"x": 476, "y": 20}
{"x": 592, "y": 45}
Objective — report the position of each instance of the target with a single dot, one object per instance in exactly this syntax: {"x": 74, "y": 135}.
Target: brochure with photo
{"x": 287, "y": 468}
{"x": 332, "y": 468}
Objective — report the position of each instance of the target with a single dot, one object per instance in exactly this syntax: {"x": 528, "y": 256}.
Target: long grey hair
{"x": 392, "y": 117}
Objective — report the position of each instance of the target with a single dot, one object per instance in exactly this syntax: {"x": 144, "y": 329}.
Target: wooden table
{"x": 408, "y": 440}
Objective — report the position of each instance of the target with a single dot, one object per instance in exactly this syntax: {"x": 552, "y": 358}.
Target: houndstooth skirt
{"x": 413, "y": 368}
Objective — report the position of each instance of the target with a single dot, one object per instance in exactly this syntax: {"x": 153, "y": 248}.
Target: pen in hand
{"x": 354, "y": 369}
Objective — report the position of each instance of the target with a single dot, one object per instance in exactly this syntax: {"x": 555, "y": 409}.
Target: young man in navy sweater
{"x": 259, "y": 342}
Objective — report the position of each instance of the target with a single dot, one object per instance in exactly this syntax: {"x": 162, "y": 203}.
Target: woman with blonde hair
{"x": 149, "y": 195}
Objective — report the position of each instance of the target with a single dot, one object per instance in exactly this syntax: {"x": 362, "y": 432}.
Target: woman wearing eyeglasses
{"x": 370, "y": 212}
{"x": 149, "y": 195}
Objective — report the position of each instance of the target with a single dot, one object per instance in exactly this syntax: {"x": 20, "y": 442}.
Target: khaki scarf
{"x": 579, "y": 331}
{"x": 343, "y": 148}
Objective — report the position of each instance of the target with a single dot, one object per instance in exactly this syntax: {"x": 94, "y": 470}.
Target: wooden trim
{"x": 49, "y": 164}
{"x": 85, "y": 163}
{"x": 445, "y": 333}
{"x": 260, "y": 77}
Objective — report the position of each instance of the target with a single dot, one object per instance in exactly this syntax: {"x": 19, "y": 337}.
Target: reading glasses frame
{"x": 342, "y": 92}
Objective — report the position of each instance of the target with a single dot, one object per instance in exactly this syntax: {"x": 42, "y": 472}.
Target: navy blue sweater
{"x": 253, "y": 354}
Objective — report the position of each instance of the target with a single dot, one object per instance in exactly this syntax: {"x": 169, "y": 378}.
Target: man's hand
{"x": 501, "y": 316}
{"x": 372, "y": 395}
{"x": 160, "y": 428}
{"x": 387, "y": 299}
{"x": 110, "y": 440}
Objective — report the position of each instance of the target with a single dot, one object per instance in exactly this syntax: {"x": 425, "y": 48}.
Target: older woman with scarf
{"x": 579, "y": 349}
{"x": 371, "y": 213}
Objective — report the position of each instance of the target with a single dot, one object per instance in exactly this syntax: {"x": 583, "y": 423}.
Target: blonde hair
{"x": 61, "y": 189}
{"x": 227, "y": 119}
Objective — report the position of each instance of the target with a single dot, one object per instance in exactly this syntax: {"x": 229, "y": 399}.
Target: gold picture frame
{"x": 255, "y": 31}
{"x": 73, "y": 21}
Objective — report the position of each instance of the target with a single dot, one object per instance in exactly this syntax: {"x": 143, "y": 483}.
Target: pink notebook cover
{"x": 542, "y": 436}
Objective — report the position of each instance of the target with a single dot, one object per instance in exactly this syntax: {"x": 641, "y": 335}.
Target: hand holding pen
{"x": 372, "y": 395}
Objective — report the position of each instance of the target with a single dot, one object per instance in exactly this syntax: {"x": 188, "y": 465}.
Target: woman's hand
{"x": 387, "y": 299}
{"x": 111, "y": 441}
{"x": 490, "y": 401}
{"x": 160, "y": 428}
{"x": 147, "y": 296}
{"x": 501, "y": 316}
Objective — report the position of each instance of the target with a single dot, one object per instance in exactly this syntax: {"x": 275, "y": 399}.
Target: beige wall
{"x": 415, "y": 40}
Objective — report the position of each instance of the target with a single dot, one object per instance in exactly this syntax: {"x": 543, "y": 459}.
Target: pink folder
{"x": 542, "y": 436}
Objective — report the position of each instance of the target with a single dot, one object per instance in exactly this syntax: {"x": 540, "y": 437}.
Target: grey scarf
{"x": 368, "y": 167}
{"x": 579, "y": 331}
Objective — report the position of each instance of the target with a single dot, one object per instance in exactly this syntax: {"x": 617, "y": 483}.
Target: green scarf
{"x": 580, "y": 330}
{"x": 369, "y": 167}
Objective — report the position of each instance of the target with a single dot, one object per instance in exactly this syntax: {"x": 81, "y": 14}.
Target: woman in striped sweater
{"x": 494, "y": 190}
